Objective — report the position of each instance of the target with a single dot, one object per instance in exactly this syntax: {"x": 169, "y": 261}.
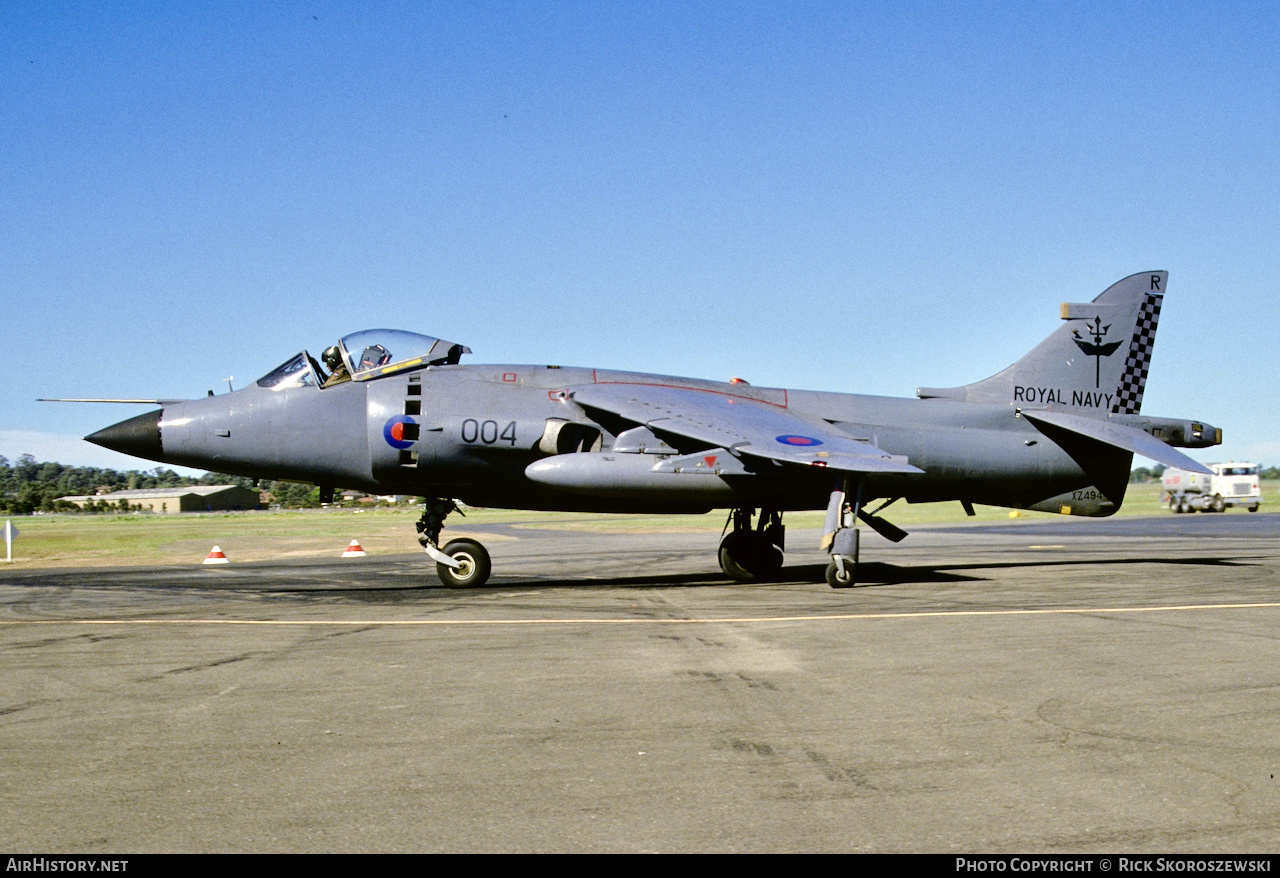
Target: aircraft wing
{"x": 740, "y": 424}
{"x": 1119, "y": 436}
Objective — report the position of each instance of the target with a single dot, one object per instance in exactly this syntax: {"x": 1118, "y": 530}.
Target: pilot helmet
{"x": 332, "y": 357}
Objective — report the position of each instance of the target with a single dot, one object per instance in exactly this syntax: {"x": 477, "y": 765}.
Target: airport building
{"x": 193, "y": 498}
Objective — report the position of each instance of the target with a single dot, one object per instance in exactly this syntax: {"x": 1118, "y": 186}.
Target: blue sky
{"x": 862, "y": 197}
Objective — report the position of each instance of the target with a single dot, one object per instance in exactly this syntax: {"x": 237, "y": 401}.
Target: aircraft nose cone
{"x": 138, "y": 436}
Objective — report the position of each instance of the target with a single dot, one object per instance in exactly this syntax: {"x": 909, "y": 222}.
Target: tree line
{"x": 28, "y": 486}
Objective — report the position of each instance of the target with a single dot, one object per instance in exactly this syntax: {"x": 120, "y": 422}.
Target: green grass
{"x": 144, "y": 539}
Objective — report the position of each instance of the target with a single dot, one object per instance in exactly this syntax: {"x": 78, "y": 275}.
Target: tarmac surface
{"x": 1073, "y": 686}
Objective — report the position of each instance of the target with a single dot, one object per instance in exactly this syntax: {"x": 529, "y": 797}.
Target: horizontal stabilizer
{"x": 1119, "y": 436}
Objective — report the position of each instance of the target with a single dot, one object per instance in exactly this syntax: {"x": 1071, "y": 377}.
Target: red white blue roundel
{"x": 393, "y": 431}
{"x": 799, "y": 441}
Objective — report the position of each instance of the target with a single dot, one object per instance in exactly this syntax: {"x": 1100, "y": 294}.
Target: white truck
{"x": 1232, "y": 484}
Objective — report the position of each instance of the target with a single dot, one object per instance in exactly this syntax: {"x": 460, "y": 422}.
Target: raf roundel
{"x": 799, "y": 441}
{"x": 393, "y": 431}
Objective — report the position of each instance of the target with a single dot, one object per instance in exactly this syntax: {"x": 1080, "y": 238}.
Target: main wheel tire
{"x": 1253, "y": 508}
{"x": 746, "y": 556}
{"x": 1174, "y": 507}
{"x": 1218, "y": 505}
{"x": 474, "y": 568}
{"x": 837, "y": 578}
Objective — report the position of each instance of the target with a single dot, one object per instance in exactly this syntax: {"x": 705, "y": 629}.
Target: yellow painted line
{"x": 835, "y": 617}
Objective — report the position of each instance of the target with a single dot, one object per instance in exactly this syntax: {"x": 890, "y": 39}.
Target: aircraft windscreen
{"x": 295, "y": 372}
{"x": 376, "y": 352}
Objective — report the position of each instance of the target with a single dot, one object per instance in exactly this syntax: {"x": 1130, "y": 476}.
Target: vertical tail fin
{"x": 1094, "y": 364}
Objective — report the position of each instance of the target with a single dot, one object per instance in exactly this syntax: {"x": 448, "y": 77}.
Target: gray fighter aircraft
{"x": 398, "y": 413}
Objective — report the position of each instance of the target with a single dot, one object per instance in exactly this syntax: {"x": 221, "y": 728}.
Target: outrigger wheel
{"x": 462, "y": 563}
{"x": 842, "y": 575}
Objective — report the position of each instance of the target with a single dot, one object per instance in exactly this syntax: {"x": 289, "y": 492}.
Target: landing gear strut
{"x": 840, "y": 535}
{"x": 747, "y": 554}
{"x": 462, "y": 563}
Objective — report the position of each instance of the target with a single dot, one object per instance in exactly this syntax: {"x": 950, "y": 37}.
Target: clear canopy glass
{"x": 295, "y": 372}
{"x": 376, "y": 352}
{"x": 368, "y": 354}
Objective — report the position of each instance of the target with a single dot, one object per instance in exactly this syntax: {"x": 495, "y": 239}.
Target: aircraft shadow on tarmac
{"x": 379, "y": 583}
{"x": 870, "y": 573}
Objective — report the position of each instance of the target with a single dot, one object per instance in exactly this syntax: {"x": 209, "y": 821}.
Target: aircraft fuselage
{"x": 473, "y": 431}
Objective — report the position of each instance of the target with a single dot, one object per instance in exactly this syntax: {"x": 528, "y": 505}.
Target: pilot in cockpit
{"x": 337, "y": 368}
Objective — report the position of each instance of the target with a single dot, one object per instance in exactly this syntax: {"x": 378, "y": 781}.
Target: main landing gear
{"x": 462, "y": 563}
{"x": 747, "y": 554}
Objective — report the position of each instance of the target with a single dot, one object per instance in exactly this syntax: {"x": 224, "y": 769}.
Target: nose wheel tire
{"x": 474, "y": 565}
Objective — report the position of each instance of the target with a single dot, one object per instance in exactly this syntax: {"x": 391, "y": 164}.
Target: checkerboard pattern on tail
{"x": 1129, "y": 393}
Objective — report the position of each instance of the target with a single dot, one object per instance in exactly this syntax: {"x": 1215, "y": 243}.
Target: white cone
{"x": 354, "y": 550}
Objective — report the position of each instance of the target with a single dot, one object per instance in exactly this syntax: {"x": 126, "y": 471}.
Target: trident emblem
{"x": 1097, "y": 349}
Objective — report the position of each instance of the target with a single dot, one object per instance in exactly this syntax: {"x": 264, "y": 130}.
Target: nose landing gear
{"x": 462, "y": 563}
{"x": 473, "y": 565}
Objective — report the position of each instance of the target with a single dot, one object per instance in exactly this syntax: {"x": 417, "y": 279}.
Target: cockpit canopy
{"x": 377, "y": 352}
{"x": 366, "y": 355}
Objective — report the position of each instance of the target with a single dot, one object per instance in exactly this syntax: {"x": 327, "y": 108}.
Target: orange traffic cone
{"x": 354, "y": 550}
{"x": 216, "y": 557}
